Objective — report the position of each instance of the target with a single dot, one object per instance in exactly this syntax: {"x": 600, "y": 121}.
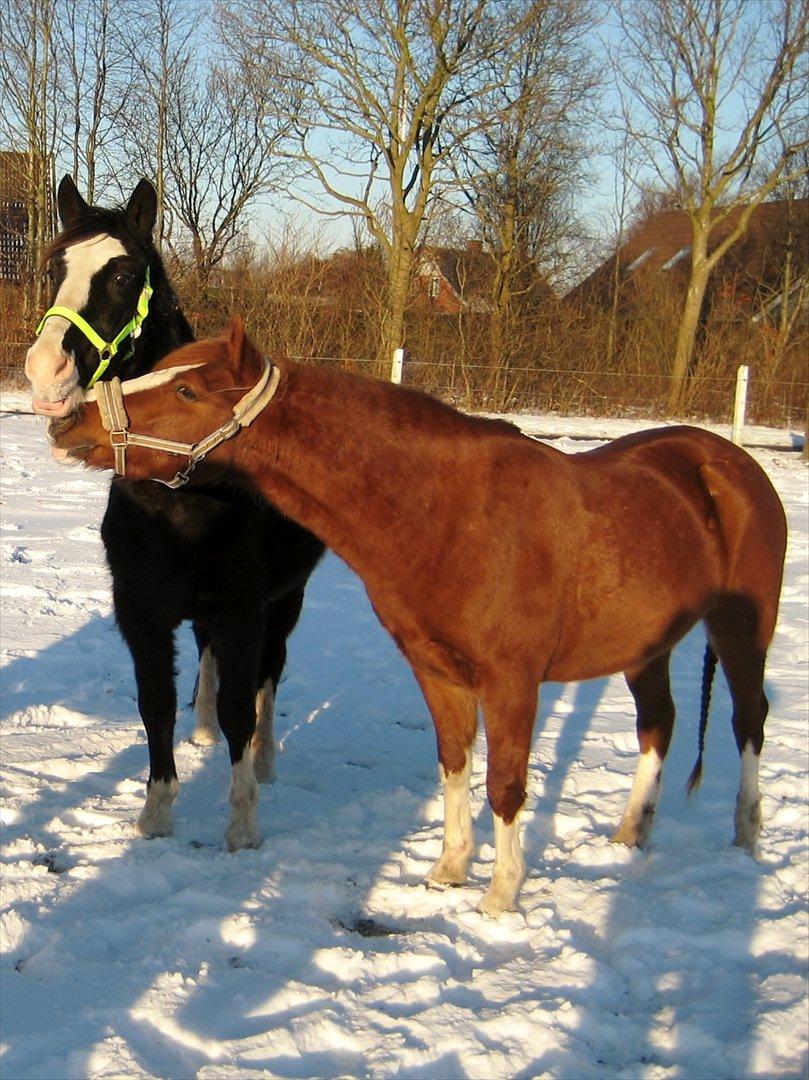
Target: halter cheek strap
{"x": 114, "y": 418}
{"x": 106, "y": 349}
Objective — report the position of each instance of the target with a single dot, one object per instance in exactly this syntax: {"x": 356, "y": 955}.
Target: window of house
{"x": 681, "y": 254}
{"x": 641, "y": 259}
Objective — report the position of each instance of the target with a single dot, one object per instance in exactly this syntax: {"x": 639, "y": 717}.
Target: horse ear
{"x": 243, "y": 355}
{"x": 141, "y": 210}
{"x": 69, "y": 202}
{"x": 236, "y": 339}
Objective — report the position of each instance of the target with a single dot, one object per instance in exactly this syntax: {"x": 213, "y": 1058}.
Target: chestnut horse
{"x": 495, "y": 562}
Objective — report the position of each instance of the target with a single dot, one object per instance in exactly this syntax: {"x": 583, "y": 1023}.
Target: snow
{"x": 322, "y": 953}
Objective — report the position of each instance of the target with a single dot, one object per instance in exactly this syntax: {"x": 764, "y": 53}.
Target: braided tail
{"x": 708, "y": 669}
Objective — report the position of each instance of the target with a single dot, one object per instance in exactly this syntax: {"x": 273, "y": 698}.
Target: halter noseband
{"x": 106, "y": 349}
{"x": 110, "y": 399}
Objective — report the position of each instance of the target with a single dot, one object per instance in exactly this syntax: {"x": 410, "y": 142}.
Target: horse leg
{"x": 655, "y": 722}
{"x": 509, "y": 710}
{"x": 738, "y": 646}
{"x": 235, "y": 652}
{"x": 279, "y": 622}
{"x": 454, "y": 713}
{"x": 152, "y": 649}
{"x": 262, "y": 745}
{"x": 206, "y": 730}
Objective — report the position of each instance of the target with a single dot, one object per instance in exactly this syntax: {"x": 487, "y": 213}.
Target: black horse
{"x": 218, "y": 556}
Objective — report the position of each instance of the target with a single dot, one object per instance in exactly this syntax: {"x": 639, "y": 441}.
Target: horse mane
{"x": 407, "y": 408}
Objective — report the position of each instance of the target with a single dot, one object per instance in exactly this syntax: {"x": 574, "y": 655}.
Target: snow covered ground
{"x": 322, "y": 954}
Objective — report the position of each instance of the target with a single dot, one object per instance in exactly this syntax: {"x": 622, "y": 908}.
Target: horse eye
{"x": 122, "y": 280}
{"x": 186, "y": 393}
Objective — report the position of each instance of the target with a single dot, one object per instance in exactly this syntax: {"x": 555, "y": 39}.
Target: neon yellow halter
{"x": 106, "y": 349}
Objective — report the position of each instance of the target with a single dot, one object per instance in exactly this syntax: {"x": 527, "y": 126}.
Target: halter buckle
{"x": 119, "y": 438}
{"x": 182, "y": 477}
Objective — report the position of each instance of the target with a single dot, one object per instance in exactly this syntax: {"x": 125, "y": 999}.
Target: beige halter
{"x": 110, "y": 399}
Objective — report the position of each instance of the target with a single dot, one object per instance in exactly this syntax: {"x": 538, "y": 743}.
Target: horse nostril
{"x": 63, "y": 363}
{"x": 49, "y": 368}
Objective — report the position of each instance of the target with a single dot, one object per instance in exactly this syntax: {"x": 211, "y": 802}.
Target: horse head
{"x": 101, "y": 264}
{"x": 197, "y": 397}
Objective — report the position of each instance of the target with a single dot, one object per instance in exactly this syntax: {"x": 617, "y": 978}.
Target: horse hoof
{"x": 447, "y": 872}
{"x": 265, "y": 775}
{"x": 630, "y": 836}
{"x": 748, "y": 827}
{"x": 155, "y": 817}
{"x": 151, "y": 831}
{"x": 494, "y": 904}
{"x": 204, "y": 737}
{"x": 627, "y": 837}
{"x": 243, "y": 839}
{"x": 746, "y": 842}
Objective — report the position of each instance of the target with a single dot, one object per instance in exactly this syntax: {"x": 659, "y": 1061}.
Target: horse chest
{"x": 183, "y": 548}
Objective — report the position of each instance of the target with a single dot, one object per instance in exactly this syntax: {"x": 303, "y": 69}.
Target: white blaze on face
{"x": 51, "y": 371}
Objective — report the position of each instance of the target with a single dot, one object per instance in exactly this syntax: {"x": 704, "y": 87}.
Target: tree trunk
{"x": 399, "y": 274}
{"x": 687, "y": 332}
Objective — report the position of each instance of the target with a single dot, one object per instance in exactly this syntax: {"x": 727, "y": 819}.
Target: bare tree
{"x": 372, "y": 86}
{"x": 220, "y": 154}
{"x": 160, "y": 56}
{"x": 520, "y": 169}
{"x": 95, "y": 83}
{"x": 710, "y": 86}
{"x": 29, "y": 121}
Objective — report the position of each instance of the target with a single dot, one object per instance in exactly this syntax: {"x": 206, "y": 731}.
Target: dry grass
{"x": 559, "y": 358}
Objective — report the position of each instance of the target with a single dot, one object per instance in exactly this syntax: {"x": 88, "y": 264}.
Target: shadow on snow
{"x": 255, "y": 943}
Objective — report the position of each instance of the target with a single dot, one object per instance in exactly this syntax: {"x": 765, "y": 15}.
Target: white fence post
{"x": 739, "y": 404}
{"x": 396, "y": 367}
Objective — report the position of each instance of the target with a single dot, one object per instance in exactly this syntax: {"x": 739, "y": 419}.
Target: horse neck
{"x": 165, "y": 328}
{"x": 339, "y": 455}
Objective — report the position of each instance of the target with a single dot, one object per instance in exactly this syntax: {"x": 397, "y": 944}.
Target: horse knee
{"x": 506, "y": 796}
{"x": 236, "y": 709}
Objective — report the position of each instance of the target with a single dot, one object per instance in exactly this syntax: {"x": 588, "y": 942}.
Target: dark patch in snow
{"x": 411, "y": 725}
{"x": 53, "y": 862}
{"x": 365, "y": 926}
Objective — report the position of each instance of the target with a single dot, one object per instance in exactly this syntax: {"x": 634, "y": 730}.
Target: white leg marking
{"x": 458, "y": 839}
{"x": 640, "y": 810}
{"x": 509, "y": 869}
{"x": 263, "y": 743}
{"x": 206, "y": 732}
{"x": 243, "y": 831}
{"x": 155, "y": 817}
{"x": 748, "y": 803}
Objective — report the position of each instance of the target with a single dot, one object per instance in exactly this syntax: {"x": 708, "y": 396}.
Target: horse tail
{"x": 708, "y": 669}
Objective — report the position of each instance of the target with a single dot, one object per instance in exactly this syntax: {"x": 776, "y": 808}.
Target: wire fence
{"x": 556, "y": 390}
{"x": 587, "y": 392}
